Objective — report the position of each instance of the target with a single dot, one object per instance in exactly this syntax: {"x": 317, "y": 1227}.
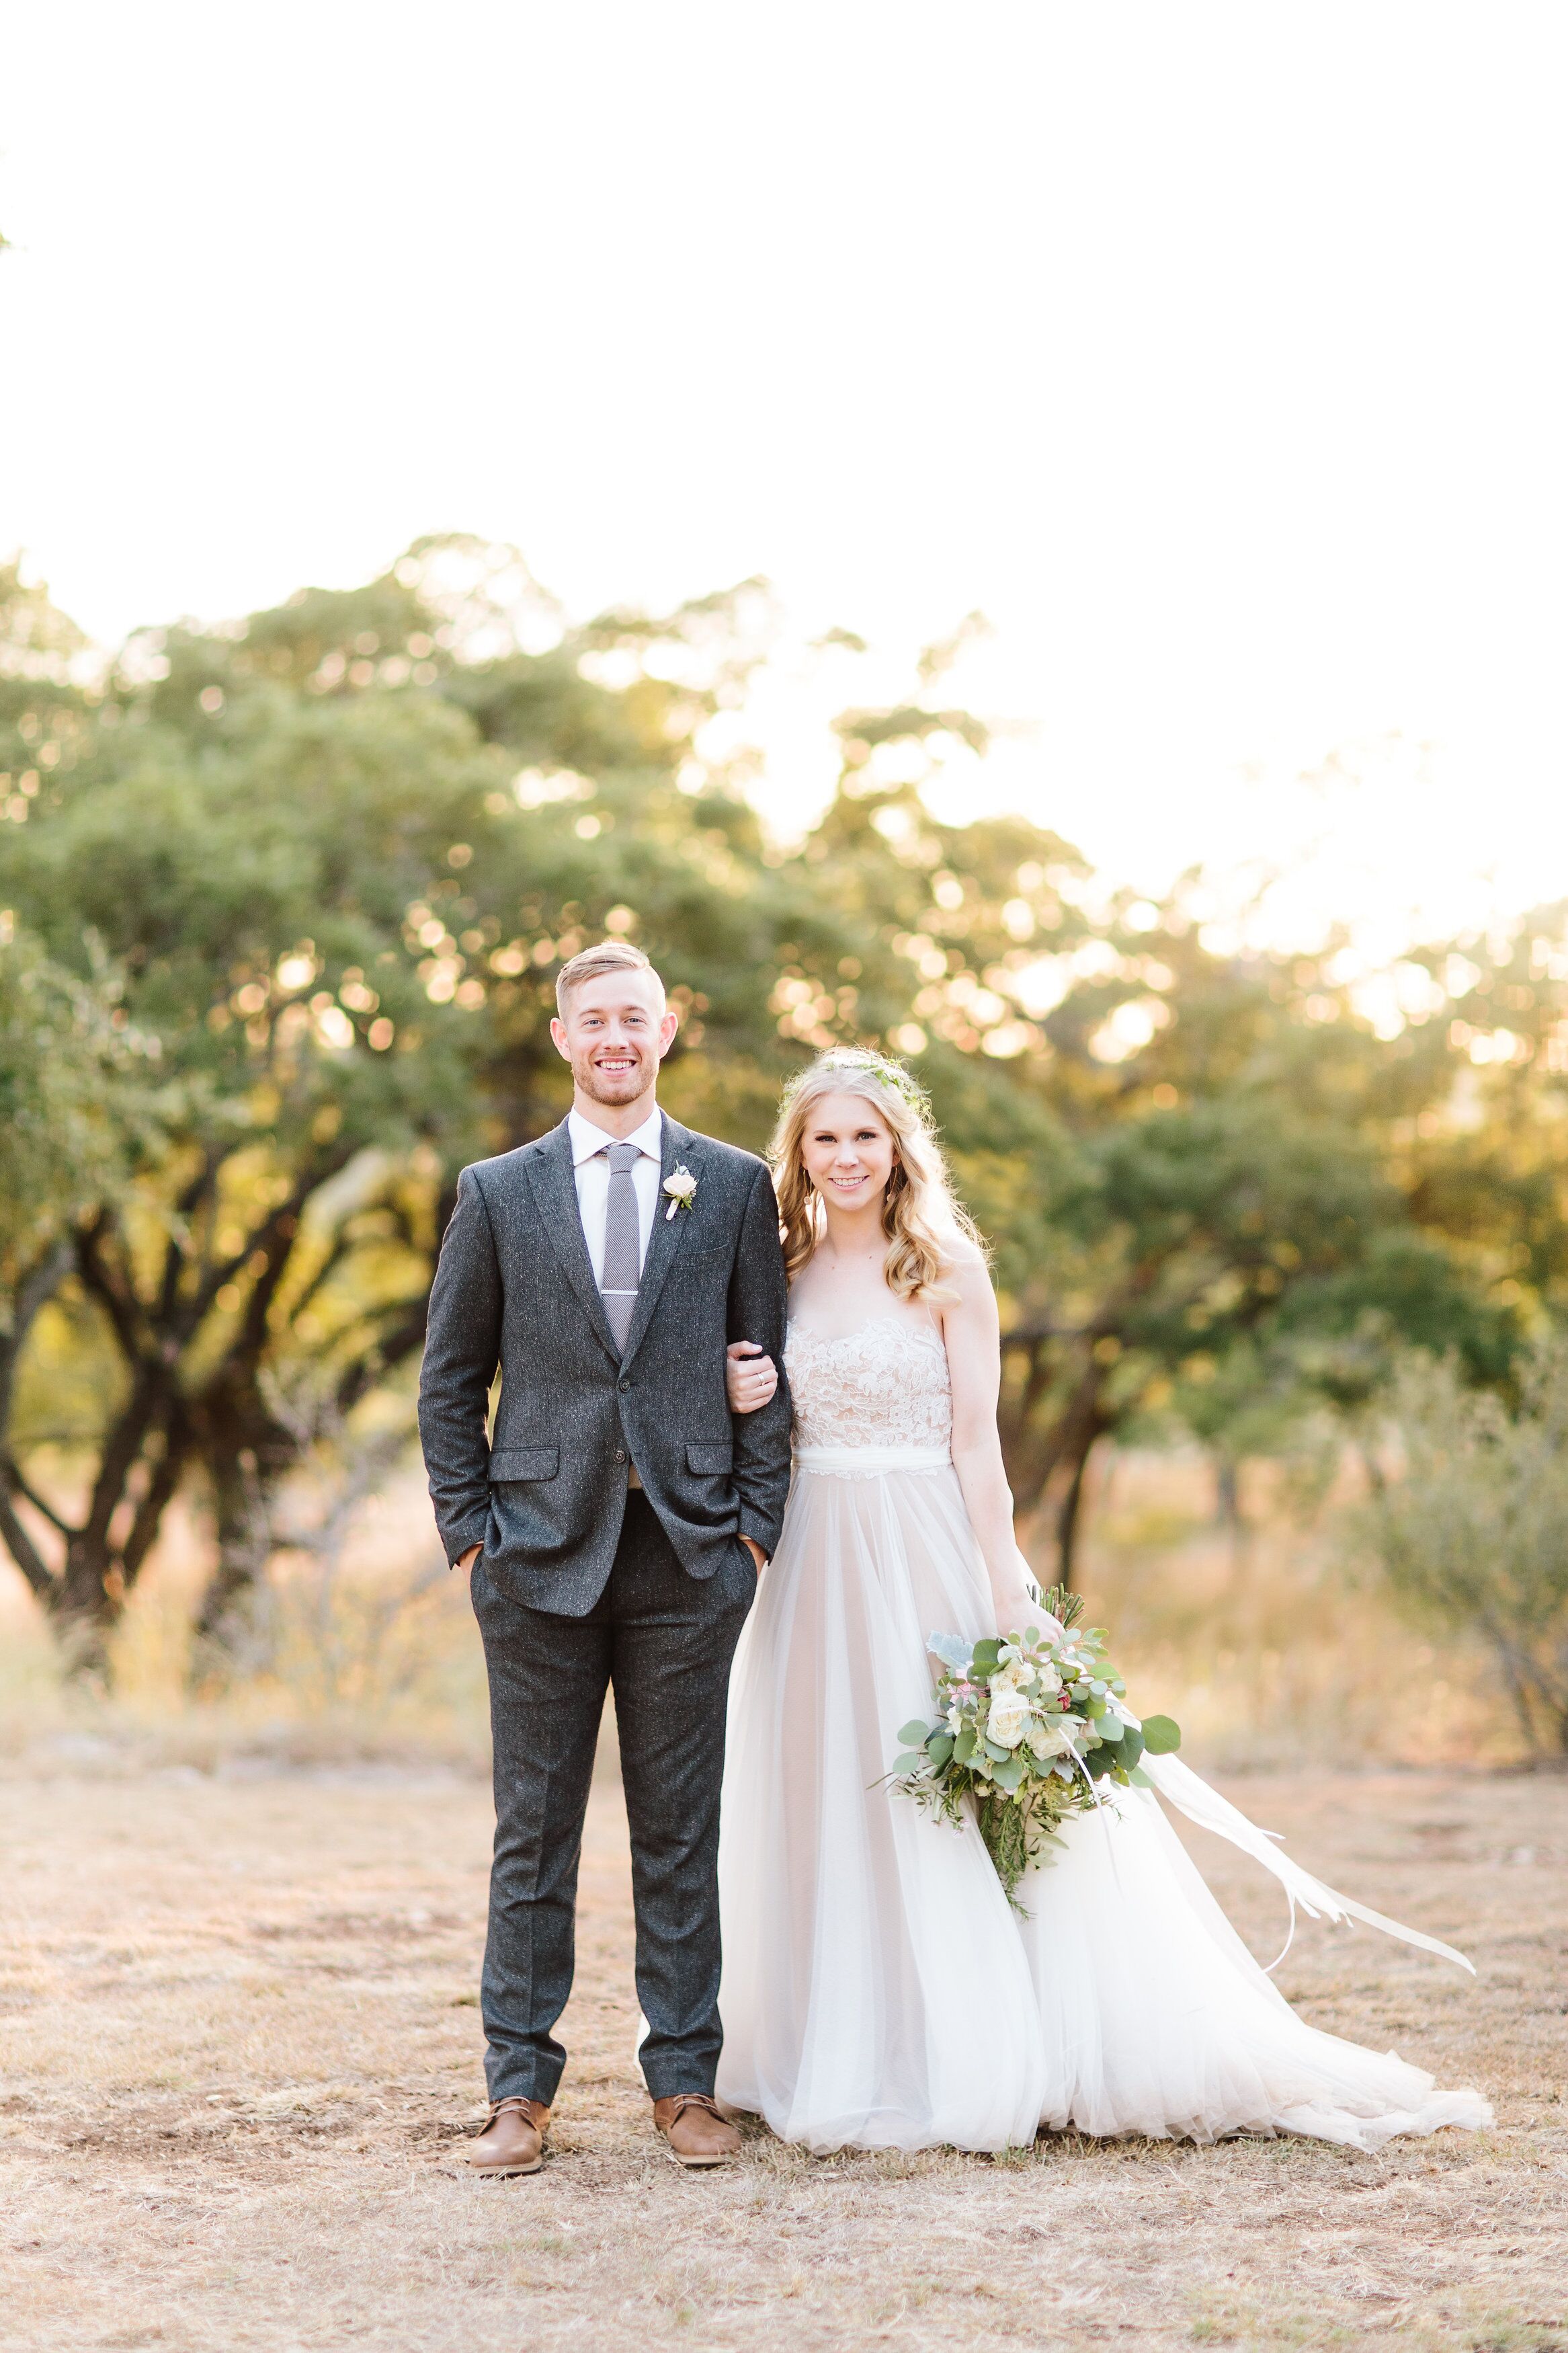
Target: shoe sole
{"x": 503, "y": 2172}
{"x": 699, "y": 2163}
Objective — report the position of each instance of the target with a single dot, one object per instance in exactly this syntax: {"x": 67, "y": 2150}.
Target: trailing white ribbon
{"x": 1182, "y": 1788}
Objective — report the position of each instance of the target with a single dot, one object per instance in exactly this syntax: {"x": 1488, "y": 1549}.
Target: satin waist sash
{"x": 845, "y": 1461}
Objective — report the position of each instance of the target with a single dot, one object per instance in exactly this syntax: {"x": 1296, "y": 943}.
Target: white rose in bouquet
{"x": 1048, "y": 1739}
{"x": 1008, "y": 1718}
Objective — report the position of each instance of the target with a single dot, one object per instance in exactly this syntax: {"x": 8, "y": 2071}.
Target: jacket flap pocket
{"x": 524, "y": 1463}
{"x": 710, "y": 1459}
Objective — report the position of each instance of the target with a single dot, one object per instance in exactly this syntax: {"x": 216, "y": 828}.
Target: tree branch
{"x": 36, "y": 1288}
{"x": 25, "y": 1552}
{"x": 154, "y": 1502}
{"x": 117, "y": 1301}
{"x": 18, "y": 1485}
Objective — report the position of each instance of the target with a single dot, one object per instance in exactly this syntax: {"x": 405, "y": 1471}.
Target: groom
{"x": 612, "y": 1531}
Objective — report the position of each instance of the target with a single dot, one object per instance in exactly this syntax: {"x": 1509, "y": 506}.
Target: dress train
{"x": 879, "y": 1991}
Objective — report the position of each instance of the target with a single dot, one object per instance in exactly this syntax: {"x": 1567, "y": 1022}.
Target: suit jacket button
{"x": 620, "y": 1454}
{"x": 625, "y": 1386}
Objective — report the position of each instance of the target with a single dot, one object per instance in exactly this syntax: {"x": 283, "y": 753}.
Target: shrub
{"x": 1473, "y": 1535}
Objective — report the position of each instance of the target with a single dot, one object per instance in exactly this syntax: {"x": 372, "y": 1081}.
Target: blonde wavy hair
{"x": 920, "y": 1215}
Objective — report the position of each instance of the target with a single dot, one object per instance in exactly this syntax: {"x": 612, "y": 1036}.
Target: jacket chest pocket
{"x": 703, "y": 1265}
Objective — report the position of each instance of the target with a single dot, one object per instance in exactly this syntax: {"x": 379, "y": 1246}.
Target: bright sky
{"x": 1215, "y": 351}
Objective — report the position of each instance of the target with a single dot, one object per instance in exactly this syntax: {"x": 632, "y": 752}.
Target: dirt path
{"x": 238, "y": 2038}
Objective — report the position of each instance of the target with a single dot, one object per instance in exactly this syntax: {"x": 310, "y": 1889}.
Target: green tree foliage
{"x": 1215, "y": 1213}
{"x": 332, "y": 857}
{"x": 78, "y": 1109}
{"x": 1195, "y": 1165}
{"x": 337, "y": 856}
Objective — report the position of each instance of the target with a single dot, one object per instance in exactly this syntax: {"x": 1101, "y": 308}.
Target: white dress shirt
{"x": 592, "y": 1171}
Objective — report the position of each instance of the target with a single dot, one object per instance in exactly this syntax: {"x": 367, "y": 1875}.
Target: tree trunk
{"x": 1069, "y": 1521}
{"x": 86, "y": 1600}
{"x": 36, "y": 1288}
{"x": 240, "y": 1494}
{"x": 247, "y": 1453}
{"x": 1227, "y": 1499}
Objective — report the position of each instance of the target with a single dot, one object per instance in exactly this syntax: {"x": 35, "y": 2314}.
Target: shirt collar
{"x": 585, "y": 1139}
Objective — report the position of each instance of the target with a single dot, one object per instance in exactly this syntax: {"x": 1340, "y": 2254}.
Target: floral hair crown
{"x": 865, "y": 1063}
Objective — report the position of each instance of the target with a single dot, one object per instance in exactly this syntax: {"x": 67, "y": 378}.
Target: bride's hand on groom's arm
{"x": 749, "y": 1377}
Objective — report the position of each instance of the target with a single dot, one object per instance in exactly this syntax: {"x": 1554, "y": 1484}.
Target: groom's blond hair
{"x": 610, "y": 955}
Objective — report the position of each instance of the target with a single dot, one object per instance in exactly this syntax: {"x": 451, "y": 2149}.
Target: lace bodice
{"x": 884, "y": 1384}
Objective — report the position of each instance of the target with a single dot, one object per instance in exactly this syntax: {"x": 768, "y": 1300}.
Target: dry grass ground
{"x": 239, "y": 2043}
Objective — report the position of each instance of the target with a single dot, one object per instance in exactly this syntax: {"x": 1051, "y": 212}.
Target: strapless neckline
{"x": 919, "y": 1332}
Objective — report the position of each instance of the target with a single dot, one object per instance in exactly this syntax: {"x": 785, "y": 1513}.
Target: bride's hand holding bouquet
{"x": 1019, "y": 1601}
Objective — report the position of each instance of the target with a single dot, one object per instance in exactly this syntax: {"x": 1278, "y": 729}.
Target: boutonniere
{"x": 680, "y": 1185}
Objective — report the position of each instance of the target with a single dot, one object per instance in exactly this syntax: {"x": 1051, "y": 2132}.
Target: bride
{"x": 879, "y": 1991}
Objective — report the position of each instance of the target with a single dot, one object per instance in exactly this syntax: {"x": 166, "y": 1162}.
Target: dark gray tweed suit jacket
{"x": 515, "y": 1288}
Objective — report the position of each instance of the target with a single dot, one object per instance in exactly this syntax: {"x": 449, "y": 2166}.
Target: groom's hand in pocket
{"x": 759, "y": 1557}
{"x": 465, "y": 1561}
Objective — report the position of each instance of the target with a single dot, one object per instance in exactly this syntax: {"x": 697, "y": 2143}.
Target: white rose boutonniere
{"x": 681, "y": 1187}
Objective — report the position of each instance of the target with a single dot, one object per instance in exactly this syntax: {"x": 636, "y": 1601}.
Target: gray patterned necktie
{"x": 622, "y": 1251}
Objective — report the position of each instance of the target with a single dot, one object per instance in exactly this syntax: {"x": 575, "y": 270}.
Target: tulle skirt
{"x": 1156, "y": 2018}
{"x": 875, "y": 1992}
{"x": 879, "y": 1991}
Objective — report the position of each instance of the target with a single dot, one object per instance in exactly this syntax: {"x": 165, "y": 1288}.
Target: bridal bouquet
{"x": 1029, "y": 1727}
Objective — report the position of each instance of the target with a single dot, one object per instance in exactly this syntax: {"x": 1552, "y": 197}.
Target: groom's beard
{"x": 615, "y": 1088}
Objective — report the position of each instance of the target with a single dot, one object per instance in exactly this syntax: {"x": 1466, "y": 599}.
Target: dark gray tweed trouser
{"x": 663, "y": 1641}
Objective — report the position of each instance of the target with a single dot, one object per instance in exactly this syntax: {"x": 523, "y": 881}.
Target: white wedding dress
{"x": 879, "y": 1991}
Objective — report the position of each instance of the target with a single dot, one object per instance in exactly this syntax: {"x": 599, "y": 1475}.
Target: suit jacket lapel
{"x": 669, "y": 1233}
{"x": 554, "y": 1186}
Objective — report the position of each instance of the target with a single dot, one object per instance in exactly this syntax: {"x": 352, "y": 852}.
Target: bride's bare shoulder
{"x": 964, "y": 1264}
{"x": 967, "y": 1276}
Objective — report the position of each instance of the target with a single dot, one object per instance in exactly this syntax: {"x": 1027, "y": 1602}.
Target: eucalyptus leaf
{"x": 1162, "y": 1735}
{"x": 914, "y": 1733}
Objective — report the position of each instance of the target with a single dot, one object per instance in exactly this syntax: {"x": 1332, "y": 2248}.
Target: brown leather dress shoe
{"x": 696, "y": 2132}
{"x": 512, "y": 2141}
